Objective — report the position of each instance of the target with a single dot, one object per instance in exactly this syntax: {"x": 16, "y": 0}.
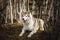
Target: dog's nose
{"x": 23, "y": 18}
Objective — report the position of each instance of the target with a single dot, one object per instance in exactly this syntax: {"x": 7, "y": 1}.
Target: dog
{"x": 31, "y": 24}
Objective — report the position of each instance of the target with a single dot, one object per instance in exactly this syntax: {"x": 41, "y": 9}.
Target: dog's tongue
{"x": 24, "y": 21}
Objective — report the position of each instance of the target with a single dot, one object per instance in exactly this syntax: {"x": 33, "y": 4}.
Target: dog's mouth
{"x": 24, "y": 20}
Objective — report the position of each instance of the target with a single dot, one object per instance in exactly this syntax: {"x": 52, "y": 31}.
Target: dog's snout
{"x": 23, "y": 18}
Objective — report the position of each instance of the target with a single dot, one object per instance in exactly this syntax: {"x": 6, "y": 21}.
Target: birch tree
{"x": 50, "y": 11}
{"x": 6, "y": 14}
{"x": 28, "y": 5}
{"x": 24, "y": 5}
{"x": 15, "y": 8}
{"x": 20, "y": 12}
{"x": 33, "y": 7}
{"x": 11, "y": 12}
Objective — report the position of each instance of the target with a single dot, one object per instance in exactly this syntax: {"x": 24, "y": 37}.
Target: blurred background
{"x": 10, "y": 18}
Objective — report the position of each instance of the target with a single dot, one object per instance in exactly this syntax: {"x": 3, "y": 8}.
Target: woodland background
{"x": 10, "y": 20}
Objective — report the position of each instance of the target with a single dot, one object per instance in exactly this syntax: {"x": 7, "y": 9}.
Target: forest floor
{"x": 11, "y": 32}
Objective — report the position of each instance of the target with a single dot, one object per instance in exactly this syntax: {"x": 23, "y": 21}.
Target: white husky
{"x": 32, "y": 24}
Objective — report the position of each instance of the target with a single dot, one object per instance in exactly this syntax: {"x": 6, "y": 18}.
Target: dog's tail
{"x": 41, "y": 25}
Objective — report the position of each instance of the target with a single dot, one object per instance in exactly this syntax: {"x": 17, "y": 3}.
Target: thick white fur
{"x": 31, "y": 25}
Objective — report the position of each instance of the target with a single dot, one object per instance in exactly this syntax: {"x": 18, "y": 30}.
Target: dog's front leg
{"x": 32, "y": 33}
{"x": 23, "y": 30}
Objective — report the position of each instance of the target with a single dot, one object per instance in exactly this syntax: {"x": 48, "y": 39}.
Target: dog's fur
{"x": 32, "y": 24}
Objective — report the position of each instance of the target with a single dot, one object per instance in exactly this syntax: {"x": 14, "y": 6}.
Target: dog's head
{"x": 26, "y": 16}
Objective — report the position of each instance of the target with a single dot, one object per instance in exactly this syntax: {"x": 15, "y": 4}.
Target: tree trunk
{"x": 11, "y": 12}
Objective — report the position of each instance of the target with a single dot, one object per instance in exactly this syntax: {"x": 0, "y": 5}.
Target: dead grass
{"x": 11, "y": 32}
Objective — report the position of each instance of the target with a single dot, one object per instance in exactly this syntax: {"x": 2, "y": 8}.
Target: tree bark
{"x": 11, "y": 12}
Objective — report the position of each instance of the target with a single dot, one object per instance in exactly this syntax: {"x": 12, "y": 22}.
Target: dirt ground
{"x": 11, "y": 32}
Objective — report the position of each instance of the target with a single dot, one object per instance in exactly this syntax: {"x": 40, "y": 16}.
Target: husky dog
{"x": 30, "y": 23}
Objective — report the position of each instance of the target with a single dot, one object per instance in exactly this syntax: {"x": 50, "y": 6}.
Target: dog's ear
{"x": 30, "y": 15}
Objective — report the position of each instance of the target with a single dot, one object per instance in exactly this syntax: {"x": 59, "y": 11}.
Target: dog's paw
{"x": 29, "y": 36}
{"x": 42, "y": 29}
{"x": 20, "y": 34}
